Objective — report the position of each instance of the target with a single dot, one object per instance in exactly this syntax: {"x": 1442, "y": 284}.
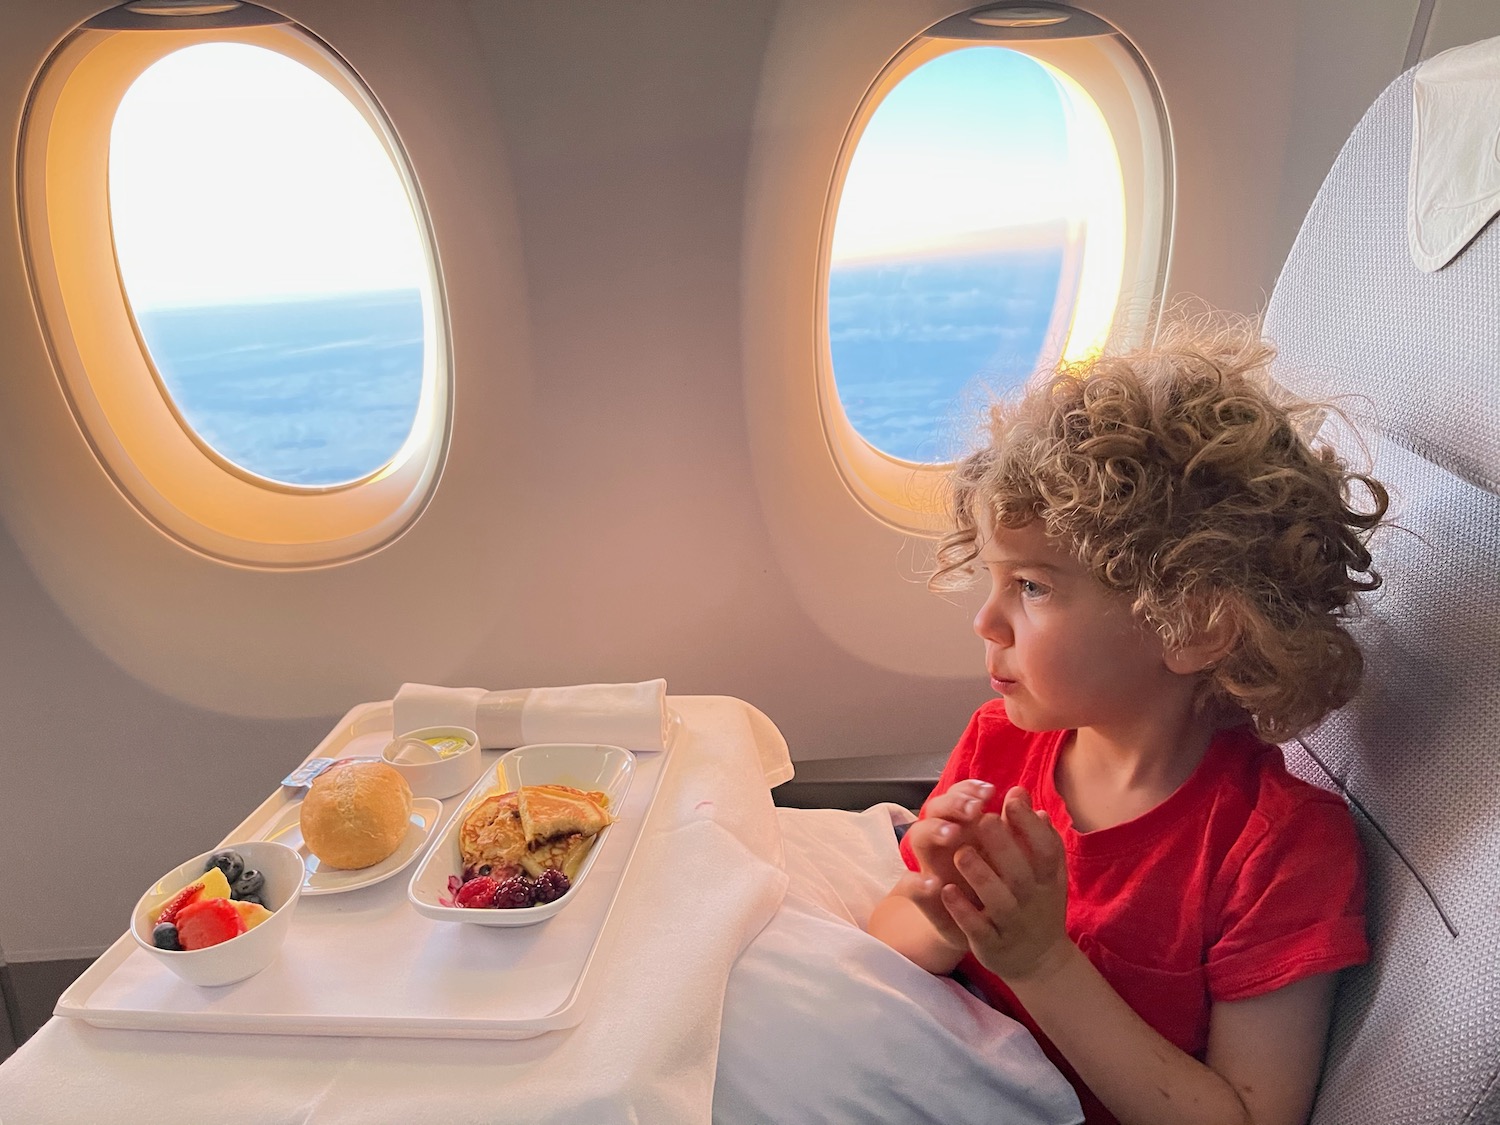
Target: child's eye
{"x": 1030, "y": 589}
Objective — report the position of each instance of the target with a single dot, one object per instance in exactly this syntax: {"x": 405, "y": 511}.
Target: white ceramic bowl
{"x": 582, "y": 765}
{"x": 241, "y": 956}
{"x": 428, "y": 773}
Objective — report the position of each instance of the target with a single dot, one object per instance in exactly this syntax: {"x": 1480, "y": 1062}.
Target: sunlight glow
{"x": 238, "y": 175}
{"x": 957, "y": 155}
{"x": 1094, "y": 167}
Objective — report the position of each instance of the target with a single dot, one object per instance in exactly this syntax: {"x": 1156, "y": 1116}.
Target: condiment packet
{"x": 304, "y": 775}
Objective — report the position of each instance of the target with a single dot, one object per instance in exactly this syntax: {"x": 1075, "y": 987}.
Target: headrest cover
{"x": 1453, "y": 185}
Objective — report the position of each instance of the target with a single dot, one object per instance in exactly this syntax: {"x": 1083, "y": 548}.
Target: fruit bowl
{"x": 239, "y": 956}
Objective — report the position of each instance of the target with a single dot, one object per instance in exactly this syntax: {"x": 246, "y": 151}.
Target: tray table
{"x": 365, "y": 963}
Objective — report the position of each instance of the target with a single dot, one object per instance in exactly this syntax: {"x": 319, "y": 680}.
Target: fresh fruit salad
{"x": 222, "y": 903}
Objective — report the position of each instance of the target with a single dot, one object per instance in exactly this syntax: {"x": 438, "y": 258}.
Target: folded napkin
{"x": 1453, "y": 180}
{"x": 630, "y": 715}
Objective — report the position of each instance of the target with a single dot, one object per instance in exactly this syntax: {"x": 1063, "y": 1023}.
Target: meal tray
{"x": 365, "y": 963}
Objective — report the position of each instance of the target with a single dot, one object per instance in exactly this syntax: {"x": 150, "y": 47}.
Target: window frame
{"x": 115, "y": 394}
{"x": 911, "y": 496}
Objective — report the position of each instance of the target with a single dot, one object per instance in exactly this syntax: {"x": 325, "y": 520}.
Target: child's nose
{"x": 990, "y": 623}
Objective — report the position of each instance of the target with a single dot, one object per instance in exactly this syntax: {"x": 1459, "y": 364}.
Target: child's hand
{"x": 950, "y": 821}
{"x": 1018, "y": 873}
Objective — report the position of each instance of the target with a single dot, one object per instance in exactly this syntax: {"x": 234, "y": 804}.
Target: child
{"x": 1115, "y": 853}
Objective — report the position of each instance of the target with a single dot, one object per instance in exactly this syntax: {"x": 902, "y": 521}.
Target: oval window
{"x": 272, "y": 261}
{"x": 964, "y": 224}
{"x": 236, "y": 274}
{"x": 1002, "y": 201}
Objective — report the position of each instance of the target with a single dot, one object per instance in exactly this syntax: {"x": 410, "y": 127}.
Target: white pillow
{"x": 825, "y": 1024}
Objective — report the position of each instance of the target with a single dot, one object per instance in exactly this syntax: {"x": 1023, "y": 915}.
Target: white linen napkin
{"x": 634, "y": 716}
{"x": 1453, "y": 181}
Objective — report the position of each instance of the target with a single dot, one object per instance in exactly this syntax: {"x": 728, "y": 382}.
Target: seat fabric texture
{"x": 1414, "y": 359}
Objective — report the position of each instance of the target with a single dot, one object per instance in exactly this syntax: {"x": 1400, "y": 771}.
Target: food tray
{"x": 365, "y": 963}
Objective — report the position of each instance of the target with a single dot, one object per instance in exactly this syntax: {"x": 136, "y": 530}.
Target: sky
{"x": 970, "y": 142}
{"x": 239, "y": 175}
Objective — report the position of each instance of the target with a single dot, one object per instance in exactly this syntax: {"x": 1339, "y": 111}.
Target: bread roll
{"x": 356, "y": 813}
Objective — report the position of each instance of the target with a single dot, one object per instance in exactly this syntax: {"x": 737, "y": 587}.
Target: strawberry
{"x": 211, "y": 884}
{"x": 205, "y": 923}
{"x": 189, "y": 894}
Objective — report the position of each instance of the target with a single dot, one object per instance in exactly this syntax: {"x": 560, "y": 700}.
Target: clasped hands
{"x": 995, "y": 884}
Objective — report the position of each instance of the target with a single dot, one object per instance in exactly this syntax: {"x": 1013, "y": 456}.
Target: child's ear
{"x": 1210, "y": 643}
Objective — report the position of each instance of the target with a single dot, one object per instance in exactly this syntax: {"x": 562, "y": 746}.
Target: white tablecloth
{"x": 705, "y": 879}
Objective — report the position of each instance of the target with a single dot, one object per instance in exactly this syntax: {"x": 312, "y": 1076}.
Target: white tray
{"x": 365, "y": 963}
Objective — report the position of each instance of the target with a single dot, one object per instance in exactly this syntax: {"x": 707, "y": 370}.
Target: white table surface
{"x": 706, "y": 877}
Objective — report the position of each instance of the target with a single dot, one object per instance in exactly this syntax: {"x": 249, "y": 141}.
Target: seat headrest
{"x": 1414, "y": 354}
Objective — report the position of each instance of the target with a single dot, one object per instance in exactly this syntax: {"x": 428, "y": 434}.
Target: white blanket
{"x": 825, "y": 1025}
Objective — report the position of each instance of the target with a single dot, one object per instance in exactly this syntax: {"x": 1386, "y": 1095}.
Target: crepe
{"x": 565, "y": 854}
{"x": 491, "y": 833}
{"x": 534, "y": 828}
{"x": 549, "y": 812}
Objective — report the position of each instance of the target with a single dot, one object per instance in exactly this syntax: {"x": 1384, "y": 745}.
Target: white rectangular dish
{"x": 606, "y": 769}
{"x": 365, "y": 963}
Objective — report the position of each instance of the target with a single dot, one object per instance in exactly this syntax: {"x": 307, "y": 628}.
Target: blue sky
{"x": 967, "y": 144}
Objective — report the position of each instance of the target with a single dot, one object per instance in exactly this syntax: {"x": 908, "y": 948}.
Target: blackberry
{"x": 551, "y": 885}
{"x": 514, "y": 892}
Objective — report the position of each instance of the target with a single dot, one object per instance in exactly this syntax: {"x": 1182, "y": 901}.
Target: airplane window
{"x": 270, "y": 255}
{"x": 1002, "y": 201}
{"x": 234, "y": 267}
{"x": 979, "y": 190}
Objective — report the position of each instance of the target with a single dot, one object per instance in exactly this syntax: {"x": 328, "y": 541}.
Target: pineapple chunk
{"x": 251, "y": 913}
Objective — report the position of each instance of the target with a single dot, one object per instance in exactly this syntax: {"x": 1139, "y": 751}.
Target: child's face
{"x": 1064, "y": 651}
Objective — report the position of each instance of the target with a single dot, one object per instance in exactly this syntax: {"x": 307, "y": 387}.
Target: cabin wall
{"x": 623, "y": 196}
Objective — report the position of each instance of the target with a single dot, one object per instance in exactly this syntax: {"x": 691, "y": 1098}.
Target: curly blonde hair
{"x": 1181, "y": 477}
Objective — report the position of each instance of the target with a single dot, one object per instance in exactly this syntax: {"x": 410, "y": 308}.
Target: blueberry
{"x": 259, "y": 900}
{"x": 250, "y": 883}
{"x": 165, "y": 936}
{"x": 231, "y": 863}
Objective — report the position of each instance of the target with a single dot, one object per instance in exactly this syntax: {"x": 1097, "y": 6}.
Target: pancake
{"x": 551, "y": 811}
{"x": 599, "y": 797}
{"x": 564, "y": 853}
{"x": 491, "y": 833}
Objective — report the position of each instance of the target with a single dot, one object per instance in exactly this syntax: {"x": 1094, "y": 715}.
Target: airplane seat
{"x": 1389, "y": 307}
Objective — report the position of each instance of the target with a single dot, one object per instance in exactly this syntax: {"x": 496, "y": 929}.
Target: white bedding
{"x": 825, "y": 1024}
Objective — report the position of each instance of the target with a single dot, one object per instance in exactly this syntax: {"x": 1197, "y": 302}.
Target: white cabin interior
{"x": 627, "y": 203}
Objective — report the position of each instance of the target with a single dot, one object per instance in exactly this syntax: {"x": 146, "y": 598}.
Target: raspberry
{"x": 516, "y": 891}
{"x": 477, "y": 893}
{"x": 551, "y": 885}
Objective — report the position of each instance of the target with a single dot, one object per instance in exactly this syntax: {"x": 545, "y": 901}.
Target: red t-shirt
{"x": 1242, "y": 881}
